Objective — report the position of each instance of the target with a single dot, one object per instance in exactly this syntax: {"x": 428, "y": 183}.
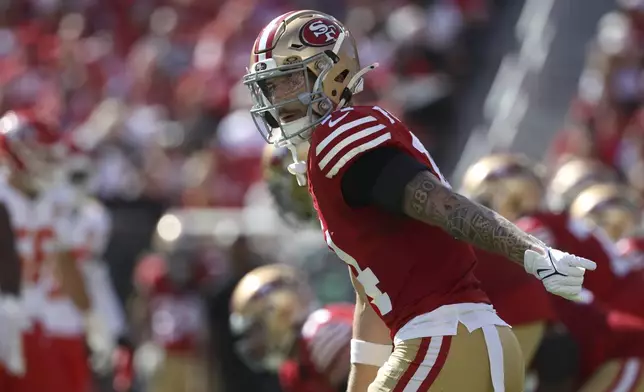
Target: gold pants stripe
{"x": 623, "y": 375}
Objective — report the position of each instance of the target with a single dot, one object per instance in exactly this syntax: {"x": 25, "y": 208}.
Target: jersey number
{"x": 32, "y": 252}
{"x": 367, "y": 279}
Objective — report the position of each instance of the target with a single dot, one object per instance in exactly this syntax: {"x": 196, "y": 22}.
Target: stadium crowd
{"x": 148, "y": 93}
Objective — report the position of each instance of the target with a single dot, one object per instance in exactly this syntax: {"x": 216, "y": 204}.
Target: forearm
{"x": 361, "y": 375}
{"x": 72, "y": 281}
{"x": 368, "y": 327}
{"x": 426, "y": 199}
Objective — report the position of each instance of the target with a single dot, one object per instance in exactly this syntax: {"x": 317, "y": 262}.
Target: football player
{"x": 31, "y": 153}
{"x": 68, "y": 328}
{"x": 169, "y": 313}
{"x": 572, "y": 177}
{"x": 292, "y": 201}
{"x": 611, "y": 347}
{"x": 324, "y": 345}
{"x": 615, "y": 209}
{"x": 272, "y": 313}
{"x": 389, "y": 213}
{"x": 513, "y": 185}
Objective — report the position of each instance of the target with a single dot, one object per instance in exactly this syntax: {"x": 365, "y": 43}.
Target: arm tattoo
{"x": 428, "y": 200}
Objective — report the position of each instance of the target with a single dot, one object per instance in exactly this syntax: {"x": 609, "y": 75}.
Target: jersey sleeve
{"x": 350, "y": 132}
{"x": 325, "y": 336}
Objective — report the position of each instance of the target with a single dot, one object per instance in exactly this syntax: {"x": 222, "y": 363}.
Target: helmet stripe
{"x": 265, "y": 40}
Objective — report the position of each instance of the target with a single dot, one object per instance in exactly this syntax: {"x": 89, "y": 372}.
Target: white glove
{"x": 561, "y": 273}
{"x": 148, "y": 359}
{"x": 13, "y": 321}
{"x": 100, "y": 341}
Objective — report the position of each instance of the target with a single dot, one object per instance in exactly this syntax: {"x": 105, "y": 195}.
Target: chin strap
{"x": 298, "y": 167}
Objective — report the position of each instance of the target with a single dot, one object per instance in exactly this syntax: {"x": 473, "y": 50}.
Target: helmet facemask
{"x": 288, "y": 100}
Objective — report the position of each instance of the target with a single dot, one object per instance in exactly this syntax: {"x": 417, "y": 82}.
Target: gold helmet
{"x": 572, "y": 177}
{"x": 293, "y": 201}
{"x": 509, "y": 184}
{"x": 268, "y": 308}
{"x": 614, "y": 208}
{"x": 304, "y": 64}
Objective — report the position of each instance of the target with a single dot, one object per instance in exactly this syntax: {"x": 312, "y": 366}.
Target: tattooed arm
{"x": 390, "y": 179}
{"x": 426, "y": 199}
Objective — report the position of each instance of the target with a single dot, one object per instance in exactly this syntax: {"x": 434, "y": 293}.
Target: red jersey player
{"x": 511, "y": 184}
{"x": 614, "y": 208}
{"x": 387, "y": 211}
{"x": 292, "y": 201}
{"x": 169, "y": 310}
{"x": 272, "y": 313}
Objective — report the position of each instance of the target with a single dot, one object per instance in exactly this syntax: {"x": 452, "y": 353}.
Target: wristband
{"x": 369, "y": 353}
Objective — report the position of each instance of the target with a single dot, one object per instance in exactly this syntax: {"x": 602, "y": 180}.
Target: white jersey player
{"x": 69, "y": 327}
{"x": 32, "y": 221}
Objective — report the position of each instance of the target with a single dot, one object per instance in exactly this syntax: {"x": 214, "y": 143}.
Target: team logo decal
{"x": 319, "y": 32}
{"x": 260, "y": 67}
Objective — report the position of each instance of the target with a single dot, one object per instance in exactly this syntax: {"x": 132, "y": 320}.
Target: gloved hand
{"x": 100, "y": 341}
{"x": 13, "y": 321}
{"x": 561, "y": 273}
{"x": 148, "y": 359}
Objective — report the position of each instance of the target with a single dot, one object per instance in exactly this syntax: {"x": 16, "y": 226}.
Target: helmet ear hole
{"x": 341, "y": 76}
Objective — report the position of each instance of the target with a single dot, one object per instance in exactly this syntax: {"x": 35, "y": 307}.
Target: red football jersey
{"x": 560, "y": 231}
{"x": 629, "y": 297}
{"x": 602, "y": 334}
{"x": 632, "y": 249}
{"x": 407, "y": 267}
{"x": 508, "y": 285}
{"x": 326, "y": 335}
{"x": 176, "y": 316}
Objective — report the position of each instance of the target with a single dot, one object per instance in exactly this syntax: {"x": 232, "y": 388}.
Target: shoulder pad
{"x": 348, "y": 132}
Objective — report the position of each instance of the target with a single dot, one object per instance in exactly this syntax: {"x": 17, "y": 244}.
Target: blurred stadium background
{"x": 151, "y": 89}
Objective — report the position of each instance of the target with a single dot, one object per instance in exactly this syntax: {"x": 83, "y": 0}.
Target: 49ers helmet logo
{"x": 319, "y": 32}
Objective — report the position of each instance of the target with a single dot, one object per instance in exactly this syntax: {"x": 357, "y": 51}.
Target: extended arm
{"x": 426, "y": 199}
{"x": 72, "y": 280}
{"x": 392, "y": 180}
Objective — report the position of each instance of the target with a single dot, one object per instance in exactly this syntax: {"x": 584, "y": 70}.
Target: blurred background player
{"x": 70, "y": 330}
{"x": 280, "y": 328}
{"x": 292, "y": 201}
{"x": 614, "y": 208}
{"x": 31, "y": 154}
{"x": 513, "y": 185}
{"x": 168, "y": 312}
